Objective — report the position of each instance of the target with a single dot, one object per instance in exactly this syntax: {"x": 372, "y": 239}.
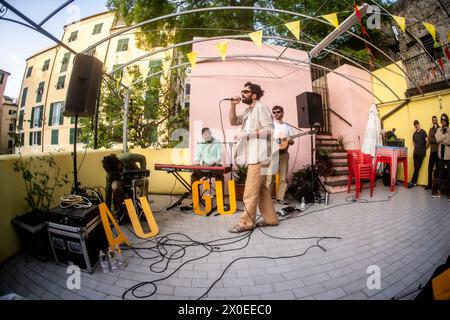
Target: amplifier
{"x": 78, "y": 245}
{"x": 74, "y": 217}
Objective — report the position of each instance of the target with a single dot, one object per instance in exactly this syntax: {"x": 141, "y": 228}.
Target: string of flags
{"x": 295, "y": 28}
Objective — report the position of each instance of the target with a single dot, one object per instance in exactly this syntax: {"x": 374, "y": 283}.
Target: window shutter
{"x": 72, "y": 134}
{"x": 50, "y": 116}
{"x": 30, "y": 142}
{"x": 32, "y": 117}
{"x": 61, "y": 116}
{"x": 39, "y": 138}
{"x": 55, "y": 136}
{"x": 40, "y": 117}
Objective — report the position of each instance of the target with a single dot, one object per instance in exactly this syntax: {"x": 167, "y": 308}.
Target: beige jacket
{"x": 443, "y": 139}
{"x": 253, "y": 149}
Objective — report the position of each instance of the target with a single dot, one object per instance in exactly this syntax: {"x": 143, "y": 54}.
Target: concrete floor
{"x": 406, "y": 236}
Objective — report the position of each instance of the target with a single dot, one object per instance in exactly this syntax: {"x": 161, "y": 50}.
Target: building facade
{"x": 41, "y": 124}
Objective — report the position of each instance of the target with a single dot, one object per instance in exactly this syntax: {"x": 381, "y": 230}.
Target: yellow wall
{"x": 91, "y": 174}
{"x": 422, "y": 109}
{"x": 392, "y": 76}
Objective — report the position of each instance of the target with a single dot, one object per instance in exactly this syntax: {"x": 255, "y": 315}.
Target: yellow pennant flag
{"x": 448, "y": 36}
{"x": 193, "y": 58}
{"x": 222, "y": 47}
{"x": 400, "y": 21}
{"x": 431, "y": 29}
{"x": 294, "y": 27}
{"x": 332, "y": 18}
{"x": 257, "y": 37}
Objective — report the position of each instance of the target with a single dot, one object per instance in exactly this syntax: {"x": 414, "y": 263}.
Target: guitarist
{"x": 281, "y": 130}
{"x": 254, "y": 150}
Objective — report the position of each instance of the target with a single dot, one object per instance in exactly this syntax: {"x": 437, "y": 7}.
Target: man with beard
{"x": 254, "y": 150}
{"x": 434, "y": 159}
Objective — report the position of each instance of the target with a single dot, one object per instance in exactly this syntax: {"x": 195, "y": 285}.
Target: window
{"x": 118, "y": 74}
{"x": 9, "y": 144}
{"x": 11, "y": 126}
{"x": 60, "y": 83}
{"x": 55, "y": 117}
{"x": 35, "y": 138}
{"x": 10, "y": 112}
{"x": 20, "y": 124}
{"x": 72, "y": 120}
{"x": 46, "y": 65}
{"x": 154, "y": 66}
{"x": 22, "y": 139}
{"x": 73, "y": 36}
{"x": 24, "y": 97}
{"x": 36, "y": 117}
{"x": 40, "y": 91}
{"x": 97, "y": 28}
{"x": 2, "y": 77}
{"x": 428, "y": 43}
{"x": 65, "y": 62}
{"x": 30, "y": 69}
{"x": 55, "y": 136}
{"x": 122, "y": 45}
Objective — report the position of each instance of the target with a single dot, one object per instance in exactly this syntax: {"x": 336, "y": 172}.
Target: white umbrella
{"x": 372, "y": 137}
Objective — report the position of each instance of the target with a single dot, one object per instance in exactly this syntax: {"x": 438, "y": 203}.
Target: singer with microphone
{"x": 254, "y": 150}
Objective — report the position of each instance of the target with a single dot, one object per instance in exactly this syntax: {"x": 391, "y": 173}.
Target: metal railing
{"x": 424, "y": 71}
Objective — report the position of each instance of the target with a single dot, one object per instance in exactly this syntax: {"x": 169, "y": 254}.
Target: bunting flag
{"x": 441, "y": 63}
{"x": 222, "y": 47}
{"x": 256, "y": 37}
{"x": 447, "y": 53}
{"x": 332, "y": 18}
{"x": 433, "y": 71}
{"x": 294, "y": 27}
{"x": 431, "y": 29}
{"x": 193, "y": 58}
{"x": 448, "y": 36}
{"x": 358, "y": 16}
{"x": 401, "y": 22}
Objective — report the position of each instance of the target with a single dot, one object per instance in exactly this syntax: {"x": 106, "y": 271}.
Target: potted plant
{"x": 41, "y": 176}
{"x": 341, "y": 143}
{"x": 239, "y": 176}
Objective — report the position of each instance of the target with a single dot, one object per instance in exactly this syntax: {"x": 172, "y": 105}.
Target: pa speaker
{"x": 83, "y": 86}
{"x": 309, "y": 110}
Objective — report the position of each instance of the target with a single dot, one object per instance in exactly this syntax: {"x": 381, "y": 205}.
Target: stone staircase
{"x": 338, "y": 182}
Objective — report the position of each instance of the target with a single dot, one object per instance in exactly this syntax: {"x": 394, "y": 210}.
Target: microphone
{"x": 232, "y": 99}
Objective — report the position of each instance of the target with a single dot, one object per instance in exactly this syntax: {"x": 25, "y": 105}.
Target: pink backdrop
{"x": 212, "y": 81}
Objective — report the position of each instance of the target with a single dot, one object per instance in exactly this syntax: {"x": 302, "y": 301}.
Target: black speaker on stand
{"x": 310, "y": 115}
{"x": 81, "y": 99}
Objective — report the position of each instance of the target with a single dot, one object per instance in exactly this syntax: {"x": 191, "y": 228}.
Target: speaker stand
{"x": 75, "y": 187}
{"x": 314, "y": 175}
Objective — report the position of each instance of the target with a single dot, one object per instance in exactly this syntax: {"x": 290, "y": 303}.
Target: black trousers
{"x": 442, "y": 164}
{"x": 418, "y": 158}
{"x": 433, "y": 161}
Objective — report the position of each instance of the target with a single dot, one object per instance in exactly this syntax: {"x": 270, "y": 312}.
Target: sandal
{"x": 261, "y": 224}
{"x": 238, "y": 229}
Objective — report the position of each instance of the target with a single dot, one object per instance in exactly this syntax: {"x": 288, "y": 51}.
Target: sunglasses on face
{"x": 246, "y": 91}
{"x": 276, "y": 112}
{"x": 444, "y": 120}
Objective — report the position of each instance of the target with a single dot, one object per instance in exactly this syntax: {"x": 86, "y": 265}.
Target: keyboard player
{"x": 208, "y": 153}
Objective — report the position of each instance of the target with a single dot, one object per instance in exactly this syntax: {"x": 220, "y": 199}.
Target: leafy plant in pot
{"x": 41, "y": 176}
{"x": 240, "y": 175}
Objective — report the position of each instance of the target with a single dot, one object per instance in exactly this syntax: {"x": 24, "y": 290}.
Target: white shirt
{"x": 282, "y": 128}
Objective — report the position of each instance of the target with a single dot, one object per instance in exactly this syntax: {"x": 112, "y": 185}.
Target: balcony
{"x": 406, "y": 234}
{"x": 424, "y": 72}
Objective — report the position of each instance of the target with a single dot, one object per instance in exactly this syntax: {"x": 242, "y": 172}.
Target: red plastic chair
{"x": 359, "y": 167}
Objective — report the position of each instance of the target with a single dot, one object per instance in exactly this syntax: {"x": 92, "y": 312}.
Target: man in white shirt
{"x": 283, "y": 131}
{"x": 254, "y": 150}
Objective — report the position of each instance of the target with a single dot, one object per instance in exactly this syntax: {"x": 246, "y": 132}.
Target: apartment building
{"x": 41, "y": 124}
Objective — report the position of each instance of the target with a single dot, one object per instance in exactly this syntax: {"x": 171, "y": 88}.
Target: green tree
{"x": 151, "y": 116}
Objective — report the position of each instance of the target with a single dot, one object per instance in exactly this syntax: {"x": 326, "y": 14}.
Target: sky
{"x": 17, "y": 42}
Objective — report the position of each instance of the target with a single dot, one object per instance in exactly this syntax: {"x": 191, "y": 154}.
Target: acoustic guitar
{"x": 282, "y": 141}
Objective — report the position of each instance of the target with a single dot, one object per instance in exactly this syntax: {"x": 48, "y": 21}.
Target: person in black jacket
{"x": 434, "y": 159}
{"x": 420, "y": 149}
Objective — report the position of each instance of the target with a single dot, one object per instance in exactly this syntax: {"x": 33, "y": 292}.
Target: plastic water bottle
{"x": 303, "y": 204}
{"x": 112, "y": 259}
{"x": 119, "y": 256}
{"x": 103, "y": 262}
